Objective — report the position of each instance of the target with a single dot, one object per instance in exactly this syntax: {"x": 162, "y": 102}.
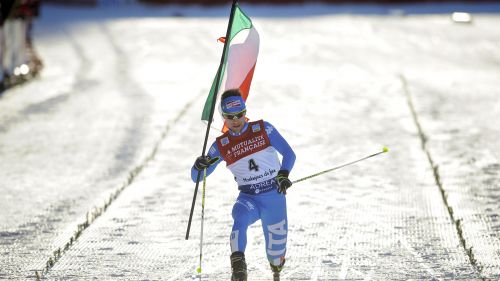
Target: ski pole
{"x": 384, "y": 150}
{"x": 202, "y": 217}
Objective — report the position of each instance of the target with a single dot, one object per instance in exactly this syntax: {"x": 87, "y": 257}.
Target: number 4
{"x": 252, "y": 165}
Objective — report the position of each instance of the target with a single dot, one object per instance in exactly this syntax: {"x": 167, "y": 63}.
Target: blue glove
{"x": 283, "y": 181}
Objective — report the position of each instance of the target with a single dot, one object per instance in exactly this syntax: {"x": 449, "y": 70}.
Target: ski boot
{"x": 238, "y": 266}
{"x": 276, "y": 270}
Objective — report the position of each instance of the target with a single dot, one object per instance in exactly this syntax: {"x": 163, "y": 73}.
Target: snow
{"x": 117, "y": 109}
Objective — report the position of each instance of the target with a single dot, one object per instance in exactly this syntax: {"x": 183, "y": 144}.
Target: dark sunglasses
{"x": 233, "y": 116}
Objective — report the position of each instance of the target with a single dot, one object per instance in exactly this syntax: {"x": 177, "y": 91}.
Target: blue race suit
{"x": 252, "y": 157}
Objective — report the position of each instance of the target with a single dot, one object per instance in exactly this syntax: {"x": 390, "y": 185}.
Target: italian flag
{"x": 238, "y": 63}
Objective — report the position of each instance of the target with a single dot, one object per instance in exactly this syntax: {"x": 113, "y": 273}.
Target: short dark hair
{"x": 231, "y": 93}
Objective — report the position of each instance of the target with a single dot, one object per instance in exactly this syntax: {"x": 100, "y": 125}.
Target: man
{"x": 250, "y": 152}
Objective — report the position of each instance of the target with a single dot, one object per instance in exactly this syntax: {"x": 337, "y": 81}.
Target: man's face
{"x": 236, "y": 121}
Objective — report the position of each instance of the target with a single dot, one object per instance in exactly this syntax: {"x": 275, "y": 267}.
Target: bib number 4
{"x": 252, "y": 165}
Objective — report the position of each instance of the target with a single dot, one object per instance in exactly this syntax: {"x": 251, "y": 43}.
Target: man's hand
{"x": 283, "y": 181}
{"x": 204, "y": 162}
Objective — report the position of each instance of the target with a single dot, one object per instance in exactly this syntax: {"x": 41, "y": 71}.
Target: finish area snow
{"x": 96, "y": 152}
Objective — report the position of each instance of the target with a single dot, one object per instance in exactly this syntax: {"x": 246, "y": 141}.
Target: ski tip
{"x": 385, "y": 149}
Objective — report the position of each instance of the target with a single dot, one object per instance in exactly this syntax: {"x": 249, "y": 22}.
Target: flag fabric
{"x": 238, "y": 64}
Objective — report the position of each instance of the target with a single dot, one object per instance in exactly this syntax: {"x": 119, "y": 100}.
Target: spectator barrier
{"x": 19, "y": 61}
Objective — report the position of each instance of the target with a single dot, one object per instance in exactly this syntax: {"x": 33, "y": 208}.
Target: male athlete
{"x": 250, "y": 150}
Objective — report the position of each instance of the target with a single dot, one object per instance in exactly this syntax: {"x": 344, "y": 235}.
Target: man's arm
{"x": 282, "y": 146}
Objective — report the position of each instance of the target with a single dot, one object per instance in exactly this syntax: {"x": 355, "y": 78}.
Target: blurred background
{"x": 20, "y": 61}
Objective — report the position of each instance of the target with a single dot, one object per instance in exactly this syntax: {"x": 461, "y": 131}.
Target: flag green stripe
{"x": 240, "y": 22}
{"x": 205, "y": 115}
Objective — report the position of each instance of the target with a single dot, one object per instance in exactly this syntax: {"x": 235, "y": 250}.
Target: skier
{"x": 250, "y": 152}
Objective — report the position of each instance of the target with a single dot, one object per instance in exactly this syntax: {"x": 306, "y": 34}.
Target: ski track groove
{"x": 437, "y": 177}
{"x": 92, "y": 214}
{"x": 58, "y": 253}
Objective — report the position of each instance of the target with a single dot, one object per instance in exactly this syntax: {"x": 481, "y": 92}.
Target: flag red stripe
{"x": 245, "y": 86}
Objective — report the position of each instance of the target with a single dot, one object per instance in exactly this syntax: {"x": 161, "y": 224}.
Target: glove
{"x": 283, "y": 181}
{"x": 204, "y": 162}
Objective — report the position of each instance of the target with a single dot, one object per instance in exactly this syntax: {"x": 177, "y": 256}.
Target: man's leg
{"x": 275, "y": 227}
{"x": 244, "y": 213}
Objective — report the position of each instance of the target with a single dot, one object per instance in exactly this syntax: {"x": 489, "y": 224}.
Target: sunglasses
{"x": 233, "y": 116}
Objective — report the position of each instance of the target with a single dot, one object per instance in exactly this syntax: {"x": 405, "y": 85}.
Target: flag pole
{"x": 212, "y": 109}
